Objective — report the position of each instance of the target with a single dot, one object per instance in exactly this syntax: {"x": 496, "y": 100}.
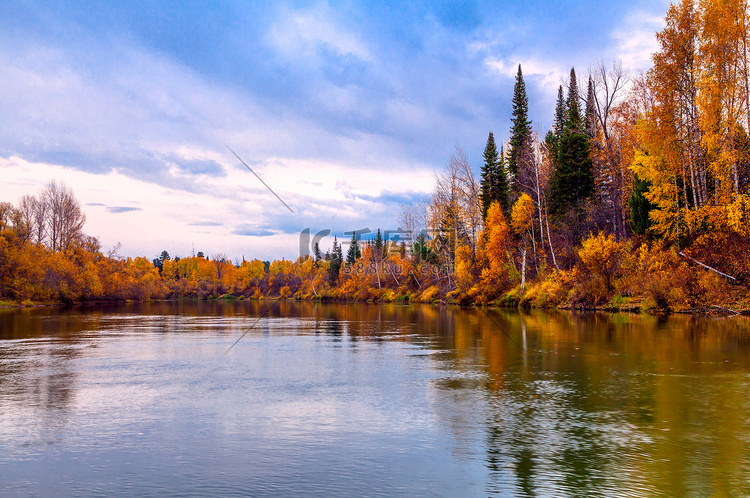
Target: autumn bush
{"x": 663, "y": 278}
{"x": 553, "y": 290}
{"x": 430, "y": 294}
{"x": 600, "y": 263}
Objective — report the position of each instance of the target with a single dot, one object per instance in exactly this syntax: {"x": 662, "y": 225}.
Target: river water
{"x": 370, "y": 400}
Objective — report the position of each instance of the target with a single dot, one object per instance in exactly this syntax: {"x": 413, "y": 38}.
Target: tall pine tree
{"x": 379, "y": 246}
{"x": 560, "y": 113}
{"x": 494, "y": 182}
{"x": 520, "y": 132}
{"x": 572, "y": 181}
{"x": 353, "y": 254}
{"x": 336, "y": 259}
{"x": 552, "y": 139}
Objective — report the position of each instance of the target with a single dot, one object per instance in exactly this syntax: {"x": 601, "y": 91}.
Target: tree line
{"x": 639, "y": 195}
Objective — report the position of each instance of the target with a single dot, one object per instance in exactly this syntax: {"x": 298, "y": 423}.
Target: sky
{"x": 344, "y": 109}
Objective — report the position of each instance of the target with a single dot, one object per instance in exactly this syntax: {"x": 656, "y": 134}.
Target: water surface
{"x": 354, "y": 399}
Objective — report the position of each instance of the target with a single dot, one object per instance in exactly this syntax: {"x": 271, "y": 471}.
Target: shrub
{"x": 429, "y": 294}
{"x": 601, "y": 255}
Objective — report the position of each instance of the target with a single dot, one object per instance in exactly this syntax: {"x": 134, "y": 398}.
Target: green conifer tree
{"x": 336, "y": 258}
{"x": 572, "y": 105}
{"x": 552, "y": 139}
{"x": 316, "y": 252}
{"x": 494, "y": 182}
{"x": 560, "y": 114}
{"x": 353, "y": 254}
{"x": 640, "y": 207}
{"x": 572, "y": 181}
{"x": 379, "y": 246}
{"x": 520, "y": 132}
{"x": 502, "y": 186}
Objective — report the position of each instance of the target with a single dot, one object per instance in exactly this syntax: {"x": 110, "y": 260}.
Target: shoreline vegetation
{"x": 638, "y": 198}
{"x": 633, "y": 308}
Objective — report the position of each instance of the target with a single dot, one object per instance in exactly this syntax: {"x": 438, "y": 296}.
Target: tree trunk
{"x": 523, "y": 267}
{"x": 551, "y": 249}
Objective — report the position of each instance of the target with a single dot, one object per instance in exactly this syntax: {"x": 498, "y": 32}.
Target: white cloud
{"x": 160, "y": 216}
{"x": 547, "y": 74}
{"x": 129, "y": 134}
{"x": 147, "y": 218}
{"x": 302, "y": 33}
{"x": 635, "y": 39}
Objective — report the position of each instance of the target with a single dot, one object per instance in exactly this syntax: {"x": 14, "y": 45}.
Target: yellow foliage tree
{"x": 601, "y": 255}
{"x": 496, "y": 243}
{"x": 521, "y": 218}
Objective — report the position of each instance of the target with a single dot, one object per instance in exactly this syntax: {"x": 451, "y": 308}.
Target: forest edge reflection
{"x": 567, "y": 401}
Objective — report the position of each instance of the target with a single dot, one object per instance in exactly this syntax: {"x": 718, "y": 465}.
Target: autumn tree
{"x": 496, "y": 245}
{"x": 522, "y": 218}
{"x": 455, "y": 210}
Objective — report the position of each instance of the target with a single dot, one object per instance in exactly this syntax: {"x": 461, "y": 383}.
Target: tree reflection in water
{"x": 551, "y": 402}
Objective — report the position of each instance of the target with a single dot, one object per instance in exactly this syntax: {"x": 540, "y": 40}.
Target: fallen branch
{"x": 415, "y": 279}
{"x": 393, "y": 274}
{"x": 706, "y": 266}
{"x": 727, "y": 309}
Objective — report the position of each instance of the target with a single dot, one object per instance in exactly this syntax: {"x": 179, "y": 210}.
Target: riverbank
{"x": 624, "y": 305}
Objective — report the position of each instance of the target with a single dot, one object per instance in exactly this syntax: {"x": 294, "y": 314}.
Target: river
{"x": 322, "y": 399}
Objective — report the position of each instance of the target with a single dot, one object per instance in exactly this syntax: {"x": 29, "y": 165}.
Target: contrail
{"x": 259, "y": 178}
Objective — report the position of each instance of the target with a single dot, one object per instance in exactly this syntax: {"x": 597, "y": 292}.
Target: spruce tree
{"x": 572, "y": 105}
{"x": 560, "y": 117}
{"x": 353, "y": 254}
{"x": 572, "y": 181}
{"x": 336, "y": 258}
{"x": 640, "y": 207}
{"x": 494, "y": 183}
{"x": 378, "y": 247}
{"x": 552, "y": 139}
{"x": 316, "y": 253}
{"x": 487, "y": 174}
{"x": 520, "y": 132}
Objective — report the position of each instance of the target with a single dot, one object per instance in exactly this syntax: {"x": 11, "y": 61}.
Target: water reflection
{"x": 533, "y": 403}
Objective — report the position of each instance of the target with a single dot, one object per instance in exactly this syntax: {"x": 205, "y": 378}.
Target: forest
{"x": 637, "y": 198}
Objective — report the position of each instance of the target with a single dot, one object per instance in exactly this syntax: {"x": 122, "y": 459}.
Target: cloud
{"x": 154, "y": 217}
{"x": 254, "y": 232}
{"x": 635, "y": 39}
{"x": 122, "y": 209}
{"x": 546, "y": 74}
{"x": 310, "y": 33}
{"x": 205, "y": 224}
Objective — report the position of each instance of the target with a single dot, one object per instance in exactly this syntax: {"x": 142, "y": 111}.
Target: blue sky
{"x": 345, "y": 109}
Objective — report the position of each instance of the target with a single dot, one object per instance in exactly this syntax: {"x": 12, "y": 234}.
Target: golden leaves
{"x": 738, "y": 215}
{"x": 523, "y": 214}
